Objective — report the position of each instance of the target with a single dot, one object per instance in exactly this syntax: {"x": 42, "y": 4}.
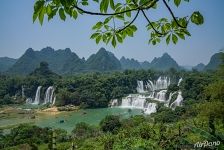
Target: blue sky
{"x": 18, "y": 33}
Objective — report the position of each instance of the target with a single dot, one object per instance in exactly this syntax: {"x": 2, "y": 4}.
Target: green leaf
{"x": 114, "y": 42}
{"x": 106, "y": 4}
{"x": 85, "y": 3}
{"x": 168, "y": 39}
{"x": 133, "y": 28}
{"x": 97, "y": 26}
{"x": 96, "y": 1}
{"x": 94, "y": 35}
{"x": 38, "y": 6}
{"x": 119, "y": 38}
{"x": 49, "y": 10}
{"x": 98, "y": 39}
{"x": 74, "y": 14}
{"x": 112, "y": 4}
{"x": 35, "y": 15}
{"x": 107, "y": 20}
{"x": 177, "y": 2}
{"x": 62, "y": 14}
{"x": 174, "y": 38}
{"x": 197, "y": 18}
{"x": 41, "y": 15}
{"x": 181, "y": 35}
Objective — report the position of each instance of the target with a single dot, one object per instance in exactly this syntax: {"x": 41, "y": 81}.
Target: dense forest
{"x": 199, "y": 123}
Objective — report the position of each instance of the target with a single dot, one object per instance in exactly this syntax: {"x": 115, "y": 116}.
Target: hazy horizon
{"x": 18, "y": 33}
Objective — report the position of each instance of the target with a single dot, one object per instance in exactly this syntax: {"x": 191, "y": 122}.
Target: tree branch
{"x": 130, "y": 22}
{"x": 116, "y": 13}
{"x": 172, "y": 14}
{"x": 150, "y": 23}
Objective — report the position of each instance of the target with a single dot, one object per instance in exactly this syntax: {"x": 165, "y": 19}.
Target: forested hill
{"x": 213, "y": 64}
{"x": 102, "y": 61}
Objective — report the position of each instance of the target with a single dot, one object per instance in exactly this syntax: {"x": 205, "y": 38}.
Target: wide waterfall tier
{"x": 136, "y": 101}
{"x": 149, "y": 95}
{"x": 133, "y": 101}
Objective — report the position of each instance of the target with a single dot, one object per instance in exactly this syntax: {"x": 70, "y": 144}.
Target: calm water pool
{"x": 90, "y": 116}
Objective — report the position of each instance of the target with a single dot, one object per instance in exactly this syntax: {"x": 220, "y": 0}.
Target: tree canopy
{"x": 119, "y": 18}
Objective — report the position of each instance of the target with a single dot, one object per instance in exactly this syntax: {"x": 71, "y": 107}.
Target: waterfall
{"x": 37, "y": 97}
{"x": 150, "y": 85}
{"x": 180, "y": 80}
{"x": 29, "y": 101}
{"x": 162, "y": 83}
{"x": 170, "y": 97}
{"x": 54, "y": 100}
{"x": 140, "y": 87}
{"x": 161, "y": 95}
{"x": 23, "y": 93}
{"x": 151, "y": 108}
{"x": 114, "y": 102}
{"x": 49, "y": 95}
{"x": 133, "y": 101}
{"x": 138, "y": 102}
{"x": 155, "y": 90}
{"x": 178, "y": 101}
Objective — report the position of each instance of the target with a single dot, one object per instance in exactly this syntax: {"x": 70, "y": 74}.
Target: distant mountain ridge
{"x": 64, "y": 61}
{"x": 67, "y": 62}
{"x": 6, "y": 63}
{"x": 163, "y": 63}
{"x": 60, "y": 61}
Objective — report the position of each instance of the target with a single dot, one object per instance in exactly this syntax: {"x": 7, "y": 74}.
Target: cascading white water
{"x": 140, "y": 87}
{"x": 162, "y": 83}
{"x": 161, "y": 96}
{"x": 114, "y": 102}
{"x": 150, "y": 85}
{"x": 23, "y": 93}
{"x": 170, "y": 97}
{"x": 180, "y": 80}
{"x": 49, "y": 95}
{"x": 151, "y": 108}
{"x": 133, "y": 101}
{"x": 29, "y": 101}
{"x": 54, "y": 100}
{"x": 138, "y": 102}
{"x": 157, "y": 91}
{"x": 178, "y": 101}
{"x": 37, "y": 97}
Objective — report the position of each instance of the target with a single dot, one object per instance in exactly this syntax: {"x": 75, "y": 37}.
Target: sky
{"x": 18, "y": 33}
